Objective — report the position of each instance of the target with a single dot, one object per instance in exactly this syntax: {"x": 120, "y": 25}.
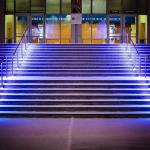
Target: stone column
{"x": 76, "y": 21}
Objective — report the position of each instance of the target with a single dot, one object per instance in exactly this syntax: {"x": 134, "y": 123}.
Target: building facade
{"x": 75, "y": 21}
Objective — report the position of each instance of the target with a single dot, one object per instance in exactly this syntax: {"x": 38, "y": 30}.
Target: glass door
{"x": 65, "y": 29}
{"x": 114, "y": 29}
{"x": 22, "y": 21}
{"x": 99, "y": 29}
{"x": 52, "y": 29}
{"x": 142, "y": 29}
{"x": 130, "y": 27}
{"x": 86, "y": 28}
{"x": 37, "y": 28}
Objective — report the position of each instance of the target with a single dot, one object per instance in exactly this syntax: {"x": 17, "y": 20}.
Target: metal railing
{"x": 4, "y": 61}
{"x": 16, "y": 57}
{"x": 139, "y": 61}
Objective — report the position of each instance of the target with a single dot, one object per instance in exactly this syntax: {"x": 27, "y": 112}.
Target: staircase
{"x": 75, "y": 81}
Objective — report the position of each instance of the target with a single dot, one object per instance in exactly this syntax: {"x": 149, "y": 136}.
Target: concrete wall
{"x": 2, "y": 21}
{"x": 149, "y": 22}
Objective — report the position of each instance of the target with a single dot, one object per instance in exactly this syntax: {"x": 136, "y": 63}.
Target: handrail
{"x": 4, "y": 60}
{"x": 134, "y": 46}
{"x": 1, "y": 67}
{"x": 140, "y": 58}
{"x": 23, "y": 40}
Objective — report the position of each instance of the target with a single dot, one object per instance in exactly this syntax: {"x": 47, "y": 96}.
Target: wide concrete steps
{"x": 68, "y": 98}
{"x": 76, "y": 81}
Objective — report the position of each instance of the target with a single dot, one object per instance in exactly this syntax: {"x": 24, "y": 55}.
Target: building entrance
{"x": 58, "y": 29}
{"x": 22, "y": 21}
{"x": 130, "y": 27}
{"x": 115, "y": 29}
{"x": 122, "y": 29}
{"x": 35, "y": 24}
{"x": 102, "y": 21}
{"x": 37, "y": 30}
{"x": 93, "y": 29}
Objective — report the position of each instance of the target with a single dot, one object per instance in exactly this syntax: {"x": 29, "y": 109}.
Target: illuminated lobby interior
{"x": 102, "y": 21}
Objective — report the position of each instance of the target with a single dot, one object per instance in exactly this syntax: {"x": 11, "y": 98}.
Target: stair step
{"x": 147, "y": 101}
{"x": 79, "y": 93}
{"x": 74, "y": 108}
{"x": 75, "y": 96}
{"x": 47, "y": 86}
{"x": 77, "y": 106}
{"x": 68, "y": 74}
{"x": 74, "y": 91}
{"x": 74, "y": 102}
{"x": 84, "y": 89}
{"x": 86, "y": 114}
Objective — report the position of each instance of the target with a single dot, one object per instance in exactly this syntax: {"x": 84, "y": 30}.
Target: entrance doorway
{"x": 21, "y": 24}
{"x": 58, "y": 29}
{"x": 94, "y": 29}
{"x": 120, "y": 27}
{"x": 115, "y": 29}
{"x": 142, "y": 29}
{"x": 37, "y": 28}
{"x": 130, "y": 27}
